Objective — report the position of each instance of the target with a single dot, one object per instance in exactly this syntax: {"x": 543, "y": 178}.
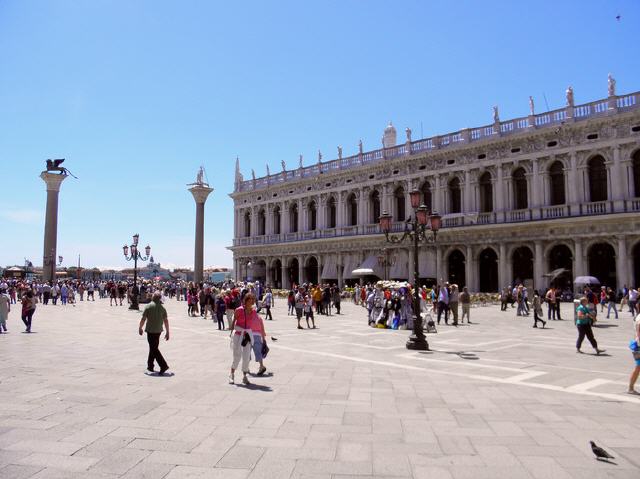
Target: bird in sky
{"x": 600, "y": 453}
{"x": 618, "y": 17}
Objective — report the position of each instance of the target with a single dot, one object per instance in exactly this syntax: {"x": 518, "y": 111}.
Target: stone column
{"x": 285, "y": 273}
{"x": 340, "y": 266}
{"x": 499, "y": 190}
{"x": 200, "y": 194}
{"x": 503, "y": 275}
{"x": 301, "y": 278}
{"x": 579, "y": 264}
{"x": 469, "y": 269}
{"x": 441, "y": 277}
{"x": 538, "y": 267}
{"x": 468, "y": 204}
{"x": 49, "y": 255}
{"x": 573, "y": 176}
{"x": 617, "y": 184}
{"x": 621, "y": 263}
{"x": 436, "y": 199}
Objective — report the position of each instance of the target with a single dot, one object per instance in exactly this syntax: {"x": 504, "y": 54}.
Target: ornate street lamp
{"x": 135, "y": 256}
{"x": 416, "y": 230}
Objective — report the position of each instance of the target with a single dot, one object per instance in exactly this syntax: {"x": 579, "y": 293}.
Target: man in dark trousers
{"x": 155, "y": 316}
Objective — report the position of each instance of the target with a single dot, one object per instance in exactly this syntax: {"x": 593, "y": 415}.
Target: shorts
{"x": 299, "y": 313}
{"x": 257, "y": 347}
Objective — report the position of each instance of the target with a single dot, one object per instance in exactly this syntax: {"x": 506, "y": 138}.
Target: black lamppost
{"x": 416, "y": 230}
{"x": 135, "y": 256}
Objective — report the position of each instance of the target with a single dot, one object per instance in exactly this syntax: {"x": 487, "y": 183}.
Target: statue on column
{"x": 284, "y": 166}
{"x": 360, "y": 146}
{"x": 339, "y": 152}
{"x": 496, "y": 116}
{"x": 569, "y": 94}
{"x": 54, "y": 165}
{"x": 300, "y": 161}
{"x": 611, "y": 85}
{"x": 408, "y": 132}
{"x": 531, "y": 106}
{"x": 319, "y": 157}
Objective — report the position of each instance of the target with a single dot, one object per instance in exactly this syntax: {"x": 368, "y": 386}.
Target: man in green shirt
{"x": 155, "y": 316}
{"x": 584, "y": 317}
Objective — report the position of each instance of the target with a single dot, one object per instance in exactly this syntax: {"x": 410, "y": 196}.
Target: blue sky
{"x": 137, "y": 94}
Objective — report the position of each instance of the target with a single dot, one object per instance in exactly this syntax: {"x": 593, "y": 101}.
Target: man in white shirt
{"x": 633, "y": 300}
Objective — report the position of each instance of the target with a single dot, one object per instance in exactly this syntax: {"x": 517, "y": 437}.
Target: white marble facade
{"x": 519, "y": 199}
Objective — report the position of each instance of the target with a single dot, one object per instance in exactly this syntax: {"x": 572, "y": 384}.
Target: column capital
{"x": 53, "y": 180}
{"x": 200, "y": 193}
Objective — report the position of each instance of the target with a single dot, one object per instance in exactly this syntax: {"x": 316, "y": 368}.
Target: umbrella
{"x": 362, "y": 271}
{"x": 586, "y": 280}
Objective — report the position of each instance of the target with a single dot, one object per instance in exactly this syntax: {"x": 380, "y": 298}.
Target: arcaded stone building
{"x": 549, "y": 192}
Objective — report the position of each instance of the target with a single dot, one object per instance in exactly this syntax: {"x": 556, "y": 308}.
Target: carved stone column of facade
{"x": 470, "y": 269}
{"x": 366, "y": 208}
{"x": 286, "y": 218}
{"x": 499, "y": 189}
{"x": 617, "y": 184}
{"x": 322, "y": 212}
{"x": 573, "y": 177}
{"x": 301, "y": 278}
{"x": 509, "y": 203}
{"x": 339, "y": 267}
{"x": 285, "y": 273}
{"x": 436, "y": 199}
{"x": 268, "y": 227}
{"x": 622, "y": 270}
{"x": 535, "y": 184}
{"x": 538, "y": 266}
{"x": 442, "y": 274}
{"x": 303, "y": 215}
{"x": 503, "y": 265}
{"x": 362, "y": 219}
{"x": 320, "y": 264}
{"x": 579, "y": 263}
{"x": 408, "y": 210}
{"x": 467, "y": 206}
{"x": 340, "y": 196}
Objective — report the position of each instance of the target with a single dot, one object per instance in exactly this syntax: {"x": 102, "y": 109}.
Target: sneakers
{"x": 262, "y": 370}
{"x": 634, "y": 392}
{"x": 598, "y": 351}
{"x": 231, "y": 379}
{"x": 245, "y": 379}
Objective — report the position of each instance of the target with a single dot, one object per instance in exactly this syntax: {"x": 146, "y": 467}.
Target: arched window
{"x": 294, "y": 218}
{"x": 556, "y": 183}
{"x": 313, "y": 216}
{"x": 486, "y": 193}
{"x": 636, "y": 173}
{"x": 597, "y": 179}
{"x": 520, "y": 199}
{"x": 455, "y": 202}
{"x": 425, "y": 189}
{"x": 374, "y": 202}
{"x": 276, "y": 220}
{"x": 331, "y": 212}
{"x": 261, "y": 223}
{"x": 398, "y": 197}
{"x": 352, "y": 209}
{"x": 247, "y": 224}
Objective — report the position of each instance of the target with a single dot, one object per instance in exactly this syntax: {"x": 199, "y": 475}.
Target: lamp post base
{"x": 417, "y": 343}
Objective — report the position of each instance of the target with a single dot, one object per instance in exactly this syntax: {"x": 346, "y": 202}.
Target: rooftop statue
{"x": 569, "y": 94}
{"x": 300, "y": 161}
{"x": 339, "y": 152}
{"x": 54, "y": 165}
{"x": 284, "y": 165}
{"x": 253, "y": 174}
{"x": 408, "y": 132}
{"x": 360, "y": 146}
{"x": 496, "y": 116}
{"x": 319, "y": 156}
{"x": 611, "y": 84}
{"x": 531, "y": 106}
{"x": 268, "y": 172}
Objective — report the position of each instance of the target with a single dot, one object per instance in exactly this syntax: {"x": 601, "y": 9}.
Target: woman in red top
{"x": 245, "y": 323}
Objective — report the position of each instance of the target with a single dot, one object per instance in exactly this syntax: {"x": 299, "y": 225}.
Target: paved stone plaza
{"x": 493, "y": 399}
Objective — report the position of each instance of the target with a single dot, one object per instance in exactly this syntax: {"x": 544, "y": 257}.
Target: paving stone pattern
{"x": 493, "y": 399}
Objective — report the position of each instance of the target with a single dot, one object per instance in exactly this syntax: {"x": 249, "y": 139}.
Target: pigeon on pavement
{"x": 599, "y": 452}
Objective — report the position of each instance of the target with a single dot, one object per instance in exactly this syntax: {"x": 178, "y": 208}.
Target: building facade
{"x": 546, "y": 197}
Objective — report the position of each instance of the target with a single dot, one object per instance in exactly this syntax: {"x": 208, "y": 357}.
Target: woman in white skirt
{"x": 245, "y": 323}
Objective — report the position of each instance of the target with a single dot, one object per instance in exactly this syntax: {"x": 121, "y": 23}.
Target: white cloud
{"x": 23, "y": 216}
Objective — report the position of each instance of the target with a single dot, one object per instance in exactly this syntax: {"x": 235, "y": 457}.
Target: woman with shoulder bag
{"x": 245, "y": 322}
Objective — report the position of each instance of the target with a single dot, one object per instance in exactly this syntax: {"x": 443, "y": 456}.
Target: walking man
{"x": 584, "y": 320}
{"x": 155, "y": 316}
